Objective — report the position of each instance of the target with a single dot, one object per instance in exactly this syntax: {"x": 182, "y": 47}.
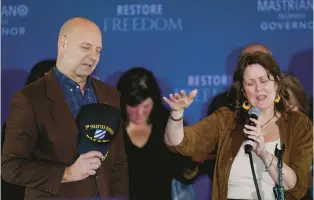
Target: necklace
{"x": 268, "y": 121}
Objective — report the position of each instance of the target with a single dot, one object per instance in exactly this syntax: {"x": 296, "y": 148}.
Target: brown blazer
{"x": 41, "y": 140}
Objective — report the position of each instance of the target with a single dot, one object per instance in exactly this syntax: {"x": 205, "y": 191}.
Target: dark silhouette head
{"x": 255, "y": 47}
{"x": 39, "y": 70}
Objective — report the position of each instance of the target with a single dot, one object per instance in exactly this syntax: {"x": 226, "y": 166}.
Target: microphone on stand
{"x": 279, "y": 190}
{"x": 254, "y": 113}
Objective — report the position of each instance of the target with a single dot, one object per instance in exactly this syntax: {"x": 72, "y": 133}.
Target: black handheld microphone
{"x": 254, "y": 113}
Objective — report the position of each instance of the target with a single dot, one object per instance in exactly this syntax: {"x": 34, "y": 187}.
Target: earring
{"x": 277, "y": 99}
{"x": 246, "y": 105}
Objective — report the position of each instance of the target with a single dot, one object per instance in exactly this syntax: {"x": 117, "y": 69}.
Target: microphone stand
{"x": 279, "y": 189}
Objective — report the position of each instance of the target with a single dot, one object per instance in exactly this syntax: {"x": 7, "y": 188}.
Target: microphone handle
{"x": 249, "y": 142}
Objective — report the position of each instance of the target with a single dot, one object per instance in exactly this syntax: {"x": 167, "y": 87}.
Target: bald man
{"x": 40, "y": 151}
{"x": 251, "y": 48}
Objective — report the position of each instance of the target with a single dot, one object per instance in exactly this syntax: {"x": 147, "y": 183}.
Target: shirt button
{"x": 71, "y": 90}
{"x": 97, "y": 177}
{"x": 231, "y": 159}
{"x": 77, "y": 87}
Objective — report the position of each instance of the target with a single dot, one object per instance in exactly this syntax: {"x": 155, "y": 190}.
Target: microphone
{"x": 254, "y": 113}
{"x": 97, "y": 124}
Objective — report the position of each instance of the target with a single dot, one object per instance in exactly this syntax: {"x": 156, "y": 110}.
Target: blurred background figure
{"x": 40, "y": 70}
{"x": 11, "y": 191}
{"x": 295, "y": 95}
{"x": 152, "y": 167}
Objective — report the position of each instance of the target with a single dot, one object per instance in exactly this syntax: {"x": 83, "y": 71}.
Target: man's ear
{"x": 62, "y": 42}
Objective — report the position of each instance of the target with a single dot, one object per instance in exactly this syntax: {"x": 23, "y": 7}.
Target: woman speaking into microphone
{"x": 256, "y": 84}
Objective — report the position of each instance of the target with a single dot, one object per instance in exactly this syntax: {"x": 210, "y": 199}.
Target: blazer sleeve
{"x": 119, "y": 183}
{"x": 301, "y": 155}
{"x": 203, "y": 136}
{"x": 18, "y": 163}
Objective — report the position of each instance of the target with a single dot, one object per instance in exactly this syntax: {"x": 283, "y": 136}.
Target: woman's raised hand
{"x": 179, "y": 101}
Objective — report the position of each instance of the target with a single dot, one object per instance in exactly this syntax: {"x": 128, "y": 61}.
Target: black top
{"x": 152, "y": 167}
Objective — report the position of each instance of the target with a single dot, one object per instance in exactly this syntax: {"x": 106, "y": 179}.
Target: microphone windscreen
{"x": 254, "y": 111}
{"x": 98, "y": 124}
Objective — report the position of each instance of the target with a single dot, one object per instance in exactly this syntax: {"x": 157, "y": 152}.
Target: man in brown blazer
{"x": 40, "y": 151}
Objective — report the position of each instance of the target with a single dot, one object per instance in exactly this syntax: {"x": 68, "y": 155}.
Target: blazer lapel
{"x": 100, "y": 94}
{"x": 60, "y": 109}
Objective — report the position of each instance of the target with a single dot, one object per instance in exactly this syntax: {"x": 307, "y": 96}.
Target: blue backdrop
{"x": 187, "y": 44}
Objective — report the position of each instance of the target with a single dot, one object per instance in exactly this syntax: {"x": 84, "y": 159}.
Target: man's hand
{"x": 84, "y": 166}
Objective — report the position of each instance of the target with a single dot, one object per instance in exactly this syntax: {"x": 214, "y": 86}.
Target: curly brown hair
{"x": 272, "y": 68}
